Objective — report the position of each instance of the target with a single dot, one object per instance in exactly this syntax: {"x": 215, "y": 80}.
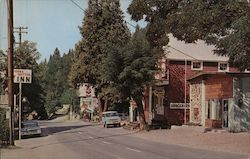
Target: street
{"x": 80, "y": 140}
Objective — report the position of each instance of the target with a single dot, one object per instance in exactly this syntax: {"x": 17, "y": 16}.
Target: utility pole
{"x": 20, "y": 30}
{"x": 10, "y": 70}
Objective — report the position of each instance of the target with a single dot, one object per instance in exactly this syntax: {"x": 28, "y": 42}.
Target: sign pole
{"x": 185, "y": 94}
{"x": 20, "y": 109}
{"x": 21, "y": 76}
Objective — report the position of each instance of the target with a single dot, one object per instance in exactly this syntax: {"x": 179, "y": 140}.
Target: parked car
{"x": 111, "y": 118}
{"x": 30, "y": 128}
{"x": 123, "y": 116}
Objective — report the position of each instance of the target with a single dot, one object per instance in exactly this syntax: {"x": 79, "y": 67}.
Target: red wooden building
{"x": 169, "y": 98}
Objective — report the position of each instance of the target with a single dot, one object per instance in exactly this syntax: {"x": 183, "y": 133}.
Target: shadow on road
{"x": 80, "y": 139}
{"x": 59, "y": 129}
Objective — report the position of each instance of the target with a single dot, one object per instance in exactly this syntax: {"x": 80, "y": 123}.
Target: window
{"x": 247, "y": 70}
{"x": 223, "y": 67}
{"x": 213, "y": 109}
{"x": 158, "y": 99}
{"x": 197, "y": 65}
{"x": 159, "y": 105}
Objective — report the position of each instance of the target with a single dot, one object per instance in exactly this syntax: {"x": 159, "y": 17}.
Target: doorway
{"x": 225, "y": 113}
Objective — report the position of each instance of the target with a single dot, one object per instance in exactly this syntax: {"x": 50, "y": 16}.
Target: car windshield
{"x": 29, "y": 125}
{"x": 111, "y": 114}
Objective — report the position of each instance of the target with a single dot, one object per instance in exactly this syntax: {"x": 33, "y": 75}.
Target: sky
{"x": 54, "y": 24}
{"x": 51, "y": 23}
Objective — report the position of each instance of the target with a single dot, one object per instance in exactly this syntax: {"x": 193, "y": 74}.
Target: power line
{"x": 84, "y": 11}
{"x": 77, "y": 5}
{"x": 182, "y": 52}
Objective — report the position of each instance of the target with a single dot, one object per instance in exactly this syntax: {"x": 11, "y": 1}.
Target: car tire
{"x": 106, "y": 125}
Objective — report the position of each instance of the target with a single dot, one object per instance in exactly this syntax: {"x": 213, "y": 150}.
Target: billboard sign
{"x": 22, "y": 76}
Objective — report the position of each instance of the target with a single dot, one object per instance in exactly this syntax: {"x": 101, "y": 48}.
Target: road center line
{"x": 108, "y": 143}
{"x": 135, "y": 150}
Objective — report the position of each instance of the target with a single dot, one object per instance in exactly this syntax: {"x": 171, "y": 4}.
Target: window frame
{"x": 247, "y": 70}
{"x": 226, "y": 70}
{"x": 201, "y": 65}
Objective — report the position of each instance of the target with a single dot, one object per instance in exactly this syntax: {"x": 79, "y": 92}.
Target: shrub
{"x": 4, "y": 128}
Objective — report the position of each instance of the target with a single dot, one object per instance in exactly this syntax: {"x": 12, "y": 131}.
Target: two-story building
{"x": 172, "y": 97}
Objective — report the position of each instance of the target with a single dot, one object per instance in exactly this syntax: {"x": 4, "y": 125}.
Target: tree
{"x": 53, "y": 82}
{"x": 25, "y": 57}
{"x": 103, "y": 25}
{"x": 131, "y": 68}
{"x": 140, "y": 66}
{"x": 223, "y": 24}
{"x": 3, "y": 68}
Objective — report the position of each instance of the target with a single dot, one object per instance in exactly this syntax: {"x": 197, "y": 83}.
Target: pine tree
{"x": 139, "y": 68}
{"x": 53, "y": 82}
{"x": 103, "y": 26}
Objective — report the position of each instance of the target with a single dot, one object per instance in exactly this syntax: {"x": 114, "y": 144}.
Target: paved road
{"x": 87, "y": 141}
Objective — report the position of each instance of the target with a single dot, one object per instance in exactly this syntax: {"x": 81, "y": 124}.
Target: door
{"x": 225, "y": 113}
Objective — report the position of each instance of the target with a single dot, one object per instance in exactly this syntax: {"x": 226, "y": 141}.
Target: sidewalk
{"x": 194, "y": 137}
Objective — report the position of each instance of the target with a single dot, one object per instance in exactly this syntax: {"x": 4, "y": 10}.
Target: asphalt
{"x": 79, "y": 140}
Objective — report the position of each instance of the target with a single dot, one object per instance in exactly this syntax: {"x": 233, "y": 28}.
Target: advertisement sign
{"x": 22, "y": 75}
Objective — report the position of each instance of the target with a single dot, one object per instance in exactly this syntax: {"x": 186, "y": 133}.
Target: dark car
{"x": 30, "y": 128}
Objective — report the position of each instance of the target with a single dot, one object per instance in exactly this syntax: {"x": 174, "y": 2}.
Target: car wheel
{"x": 119, "y": 125}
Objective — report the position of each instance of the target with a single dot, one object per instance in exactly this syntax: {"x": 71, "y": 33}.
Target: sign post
{"x": 21, "y": 76}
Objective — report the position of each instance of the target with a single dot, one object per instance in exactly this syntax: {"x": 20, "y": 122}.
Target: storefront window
{"x": 158, "y": 99}
{"x": 213, "y": 109}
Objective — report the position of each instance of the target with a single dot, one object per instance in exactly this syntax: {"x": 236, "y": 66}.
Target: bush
{"x": 4, "y": 128}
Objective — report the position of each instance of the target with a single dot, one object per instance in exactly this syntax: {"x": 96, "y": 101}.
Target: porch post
{"x": 150, "y": 115}
{"x": 203, "y": 103}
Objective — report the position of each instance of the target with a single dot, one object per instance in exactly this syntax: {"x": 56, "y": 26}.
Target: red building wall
{"x": 210, "y": 66}
{"x": 216, "y": 89}
{"x": 175, "y": 90}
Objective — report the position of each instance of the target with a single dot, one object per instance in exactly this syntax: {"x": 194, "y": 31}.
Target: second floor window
{"x": 247, "y": 69}
{"x": 197, "y": 65}
{"x": 223, "y": 67}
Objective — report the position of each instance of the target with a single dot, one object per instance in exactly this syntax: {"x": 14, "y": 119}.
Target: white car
{"x": 111, "y": 118}
{"x": 30, "y": 128}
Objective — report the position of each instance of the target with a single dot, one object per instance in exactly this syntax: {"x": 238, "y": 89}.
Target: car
{"x": 123, "y": 116}
{"x": 111, "y": 118}
{"x": 30, "y": 128}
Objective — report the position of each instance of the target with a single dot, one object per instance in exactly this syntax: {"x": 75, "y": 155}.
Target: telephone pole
{"x": 10, "y": 70}
{"x": 20, "y": 31}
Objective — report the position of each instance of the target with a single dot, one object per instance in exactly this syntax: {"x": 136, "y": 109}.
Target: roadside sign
{"x": 179, "y": 105}
{"x": 22, "y": 76}
{"x": 7, "y": 113}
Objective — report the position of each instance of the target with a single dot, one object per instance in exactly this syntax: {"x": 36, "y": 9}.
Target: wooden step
{"x": 132, "y": 126}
